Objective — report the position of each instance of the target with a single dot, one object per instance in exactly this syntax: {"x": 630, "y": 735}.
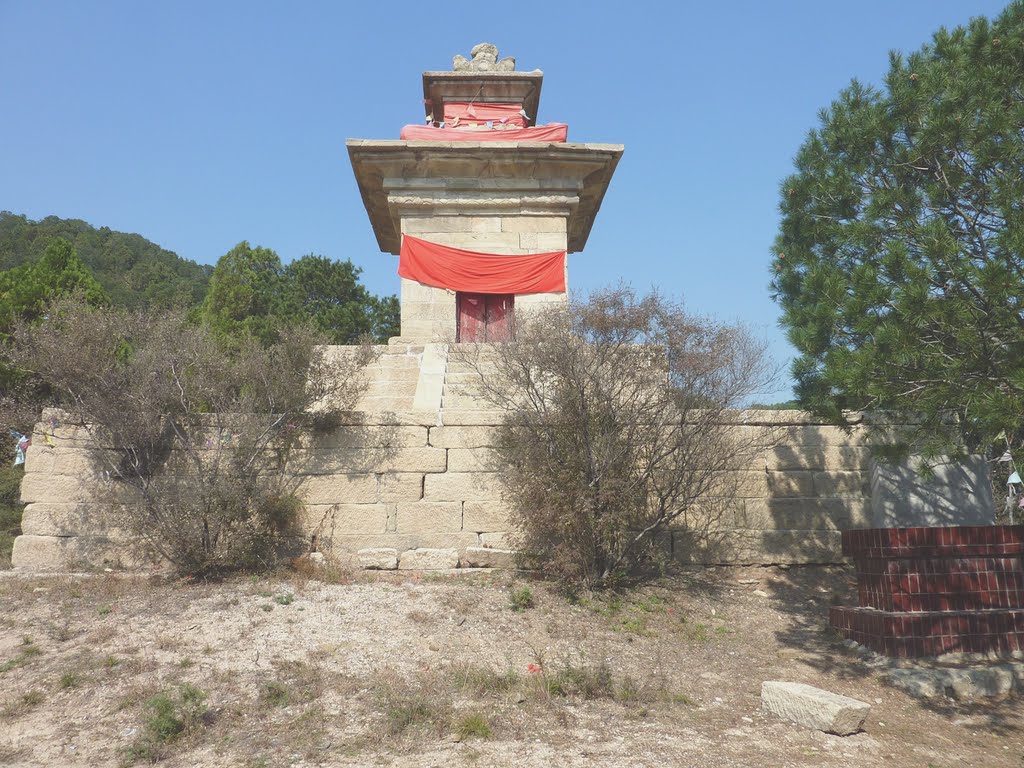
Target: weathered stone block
{"x": 429, "y": 559}
{"x": 58, "y": 488}
{"x": 66, "y": 553}
{"x": 496, "y": 540}
{"x": 71, "y": 519}
{"x": 378, "y": 559}
{"x": 331, "y": 519}
{"x": 820, "y": 457}
{"x": 419, "y": 224}
{"x": 401, "y": 486}
{"x": 843, "y": 483}
{"x": 339, "y": 489}
{"x": 471, "y": 460}
{"x": 484, "y": 516}
{"x": 813, "y": 707}
{"x": 797, "y": 546}
{"x": 461, "y": 486}
{"x": 534, "y": 224}
{"x": 955, "y": 493}
{"x": 542, "y": 241}
{"x": 463, "y": 437}
{"x": 832, "y": 514}
{"x": 485, "y": 557}
{"x": 792, "y": 483}
{"x": 375, "y": 437}
{"x": 370, "y": 460}
{"x": 429, "y": 517}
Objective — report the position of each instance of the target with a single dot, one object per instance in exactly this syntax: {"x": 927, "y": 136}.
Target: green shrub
{"x": 520, "y": 599}
{"x": 168, "y": 718}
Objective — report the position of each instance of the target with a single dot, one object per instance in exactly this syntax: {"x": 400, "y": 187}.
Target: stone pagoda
{"x": 480, "y": 179}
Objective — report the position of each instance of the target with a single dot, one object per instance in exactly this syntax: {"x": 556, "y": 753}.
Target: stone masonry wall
{"x": 418, "y": 488}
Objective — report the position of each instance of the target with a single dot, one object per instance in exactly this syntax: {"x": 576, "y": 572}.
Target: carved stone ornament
{"x": 485, "y": 59}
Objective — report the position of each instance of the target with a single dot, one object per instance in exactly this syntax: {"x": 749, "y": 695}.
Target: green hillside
{"x": 133, "y": 271}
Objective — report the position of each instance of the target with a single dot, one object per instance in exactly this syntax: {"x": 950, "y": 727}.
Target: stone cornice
{"x": 396, "y": 174}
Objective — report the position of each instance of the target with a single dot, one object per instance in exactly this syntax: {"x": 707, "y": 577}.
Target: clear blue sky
{"x": 201, "y": 124}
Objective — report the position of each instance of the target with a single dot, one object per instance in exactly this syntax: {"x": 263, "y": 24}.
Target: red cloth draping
{"x": 467, "y": 112}
{"x": 553, "y": 132}
{"x": 455, "y": 269}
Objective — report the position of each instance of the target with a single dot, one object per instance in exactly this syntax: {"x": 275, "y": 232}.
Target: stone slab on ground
{"x": 486, "y": 557}
{"x": 813, "y": 707}
{"x": 378, "y": 558}
{"x": 428, "y": 559}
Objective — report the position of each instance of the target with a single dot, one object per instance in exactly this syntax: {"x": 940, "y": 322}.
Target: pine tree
{"x": 900, "y": 261}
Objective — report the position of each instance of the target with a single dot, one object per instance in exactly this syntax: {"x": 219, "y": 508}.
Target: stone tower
{"x": 480, "y": 179}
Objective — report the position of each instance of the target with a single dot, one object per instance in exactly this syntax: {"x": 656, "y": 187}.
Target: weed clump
{"x": 520, "y": 599}
{"x": 169, "y": 717}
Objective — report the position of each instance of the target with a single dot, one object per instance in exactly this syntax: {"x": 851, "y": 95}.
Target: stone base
{"x": 931, "y": 633}
{"x": 929, "y": 591}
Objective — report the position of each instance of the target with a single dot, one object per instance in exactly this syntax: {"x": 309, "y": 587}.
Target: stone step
{"x": 384, "y": 403}
{"x": 465, "y": 401}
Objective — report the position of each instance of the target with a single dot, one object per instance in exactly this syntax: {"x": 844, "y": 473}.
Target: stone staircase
{"x": 393, "y": 378}
{"x": 462, "y": 386}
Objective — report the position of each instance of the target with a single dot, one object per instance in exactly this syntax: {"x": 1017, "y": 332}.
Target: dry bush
{"x": 193, "y": 434}
{"x": 619, "y": 424}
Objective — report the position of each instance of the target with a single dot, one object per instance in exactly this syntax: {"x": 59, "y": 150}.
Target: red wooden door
{"x": 485, "y": 317}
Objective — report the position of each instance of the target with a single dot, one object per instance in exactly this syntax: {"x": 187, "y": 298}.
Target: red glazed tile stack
{"x": 928, "y": 591}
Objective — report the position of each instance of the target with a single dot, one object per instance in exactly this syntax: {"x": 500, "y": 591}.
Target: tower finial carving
{"x": 485, "y": 59}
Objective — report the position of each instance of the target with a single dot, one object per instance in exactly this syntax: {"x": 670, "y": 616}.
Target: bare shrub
{"x": 193, "y": 435}
{"x": 619, "y": 424}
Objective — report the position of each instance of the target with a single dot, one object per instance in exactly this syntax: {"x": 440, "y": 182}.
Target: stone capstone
{"x": 813, "y": 707}
{"x": 429, "y": 559}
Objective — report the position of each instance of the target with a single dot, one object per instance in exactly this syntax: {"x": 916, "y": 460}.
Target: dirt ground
{"x": 442, "y": 670}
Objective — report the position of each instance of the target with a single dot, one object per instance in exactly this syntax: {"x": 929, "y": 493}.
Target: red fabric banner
{"x": 553, "y": 132}
{"x": 471, "y": 271}
{"x": 466, "y": 113}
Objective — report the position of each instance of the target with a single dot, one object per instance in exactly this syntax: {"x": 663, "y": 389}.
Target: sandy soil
{"x": 410, "y": 670}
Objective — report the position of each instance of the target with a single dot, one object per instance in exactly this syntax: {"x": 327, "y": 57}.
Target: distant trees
{"x": 26, "y": 290}
{"x": 249, "y": 292}
{"x": 132, "y": 271}
{"x": 900, "y": 261}
{"x": 252, "y": 293}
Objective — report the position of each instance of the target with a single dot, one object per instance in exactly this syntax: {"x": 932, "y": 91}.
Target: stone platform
{"x": 931, "y": 591}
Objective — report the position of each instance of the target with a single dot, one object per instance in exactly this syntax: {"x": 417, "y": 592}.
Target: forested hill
{"x": 133, "y": 271}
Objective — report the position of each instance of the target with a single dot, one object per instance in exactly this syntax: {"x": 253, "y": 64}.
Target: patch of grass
{"x": 27, "y": 651}
{"x": 520, "y": 599}
{"x": 104, "y": 610}
{"x": 168, "y": 718}
{"x": 111, "y": 661}
{"x": 186, "y": 662}
{"x": 481, "y": 680}
{"x": 267, "y": 607}
{"x": 413, "y": 707}
{"x": 472, "y": 726}
{"x": 23, "y": 704}
{"x": 70, "y": 679}
{"x": 285, "y": 598}
{"x": 275, "y": 694}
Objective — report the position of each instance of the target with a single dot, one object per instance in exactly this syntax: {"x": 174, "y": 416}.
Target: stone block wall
{"x": 403, "y": 480}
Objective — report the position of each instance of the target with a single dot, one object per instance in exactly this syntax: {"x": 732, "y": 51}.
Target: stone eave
{"x": 577, "y": 172}
{"x": 482, "y": 87}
